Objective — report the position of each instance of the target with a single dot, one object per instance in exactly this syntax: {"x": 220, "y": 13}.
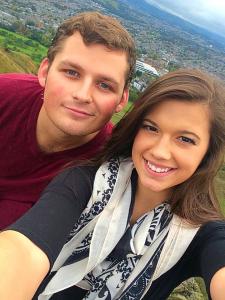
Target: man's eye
{"x": 188, "y": 140}
{"x": 104, "y": 86}
{"x": 72, "y": 73}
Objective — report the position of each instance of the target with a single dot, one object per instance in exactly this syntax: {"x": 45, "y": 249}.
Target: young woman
{"x": 144, "y": 216}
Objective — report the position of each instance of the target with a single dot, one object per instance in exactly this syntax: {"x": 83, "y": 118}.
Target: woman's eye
{"x": 150, "y": 127}
{"x": 188, "y": 140}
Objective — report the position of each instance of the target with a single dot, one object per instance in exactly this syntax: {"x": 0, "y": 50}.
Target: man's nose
{"x": 82, "y": 91}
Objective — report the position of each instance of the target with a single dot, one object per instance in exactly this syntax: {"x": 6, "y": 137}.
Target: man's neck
{"x": 51, "y": 139}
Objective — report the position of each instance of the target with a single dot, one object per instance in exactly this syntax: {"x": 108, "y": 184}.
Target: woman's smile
{"x": 157, "y": 170}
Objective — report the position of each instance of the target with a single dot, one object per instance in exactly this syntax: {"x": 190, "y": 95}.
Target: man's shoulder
{"x": 19, "y": 88}
{"x": 109, "y": 126}
{"x": 18, "y": 76}
{"x": 17, "y": 80}
{"x": 106, "y": 130}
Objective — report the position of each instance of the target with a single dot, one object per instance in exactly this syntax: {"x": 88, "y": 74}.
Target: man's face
{"x": 84, "y": 86}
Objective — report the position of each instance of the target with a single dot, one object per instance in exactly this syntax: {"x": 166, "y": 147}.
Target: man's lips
{"x": 79, "y": 112}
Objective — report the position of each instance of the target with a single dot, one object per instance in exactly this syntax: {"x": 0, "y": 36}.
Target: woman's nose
{"x": 161, "y": 148}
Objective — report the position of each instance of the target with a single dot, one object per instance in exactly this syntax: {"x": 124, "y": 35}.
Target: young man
{"x": 63, "y": 114}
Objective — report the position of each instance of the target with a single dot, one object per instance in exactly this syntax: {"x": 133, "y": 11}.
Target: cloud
{"x": 209, "y": 14}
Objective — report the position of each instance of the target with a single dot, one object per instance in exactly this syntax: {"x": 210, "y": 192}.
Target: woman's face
{"x": 170, "y": 145}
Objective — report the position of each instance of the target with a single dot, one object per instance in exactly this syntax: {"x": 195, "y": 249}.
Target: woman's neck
{"x": 146, "y": 200}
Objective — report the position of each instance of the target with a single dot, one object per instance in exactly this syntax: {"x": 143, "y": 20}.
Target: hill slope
{"x": 19, "y": 53}
{"x": 11, "y": 62}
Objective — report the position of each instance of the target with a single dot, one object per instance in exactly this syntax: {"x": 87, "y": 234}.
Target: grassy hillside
{"x": 116, "y": 117}
{"x": 15, "y": 62}
{"x": 18, "y": 53}
{"x": 221, "y": 188}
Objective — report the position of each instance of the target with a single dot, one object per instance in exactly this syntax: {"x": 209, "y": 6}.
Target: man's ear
{"x": 43, "y": 71}
{"x": 123, "y": 100}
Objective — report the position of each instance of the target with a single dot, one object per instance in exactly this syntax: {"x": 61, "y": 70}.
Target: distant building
{"x": 139, "y": 85}
{"x": 146, "y": 68}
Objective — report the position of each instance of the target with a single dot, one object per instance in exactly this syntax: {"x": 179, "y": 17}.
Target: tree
{"x": 133, "y": 95}
{"x": 138, "y": 73}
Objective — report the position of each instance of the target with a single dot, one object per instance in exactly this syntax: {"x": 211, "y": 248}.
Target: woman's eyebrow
{"x": 150, "y": 121}
{"x": 190, "y": 132}
{"x": 180, "y": 131}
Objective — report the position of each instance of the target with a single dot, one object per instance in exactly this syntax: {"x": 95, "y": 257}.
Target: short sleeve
{"x": 212, "y": 254}
{"x": 49, "y": 221}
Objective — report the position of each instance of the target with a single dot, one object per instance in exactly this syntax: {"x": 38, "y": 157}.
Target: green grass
{"x": 14, "y": 42}
{"x": 17, "y": 62}
{"x": 116, "y": 117}
{"x": 221, "y": 188}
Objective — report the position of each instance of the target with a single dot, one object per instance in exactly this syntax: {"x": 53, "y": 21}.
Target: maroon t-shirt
{"x": 24, "y": 169}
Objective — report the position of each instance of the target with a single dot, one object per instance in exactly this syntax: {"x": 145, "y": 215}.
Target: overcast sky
{"x": 209, "y": 14}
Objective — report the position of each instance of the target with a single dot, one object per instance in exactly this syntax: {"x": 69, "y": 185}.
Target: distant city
{"x": 163, "y": 41}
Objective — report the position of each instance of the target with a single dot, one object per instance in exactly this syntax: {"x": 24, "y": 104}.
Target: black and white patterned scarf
{"x": 90, "y": 259}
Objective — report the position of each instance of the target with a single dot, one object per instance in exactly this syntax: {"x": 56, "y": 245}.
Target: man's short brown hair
{"x": 96, "y": 28}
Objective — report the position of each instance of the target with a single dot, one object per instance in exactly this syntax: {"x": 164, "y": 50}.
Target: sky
{"x": 209, "y": 14}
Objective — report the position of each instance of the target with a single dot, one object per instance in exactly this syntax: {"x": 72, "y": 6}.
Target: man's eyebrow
{"x": 66, "y": 63}
{"x": 180, "y": 131}
{"x": 109, "y": 79}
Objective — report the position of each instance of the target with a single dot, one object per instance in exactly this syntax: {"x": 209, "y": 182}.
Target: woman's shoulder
{"x": 212, "y": 228}
{"x": 75, "y": 175}
{"x": 209, "y": 234}
{"x": 80, "y": 169}
{"x": 209, "y": 249}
